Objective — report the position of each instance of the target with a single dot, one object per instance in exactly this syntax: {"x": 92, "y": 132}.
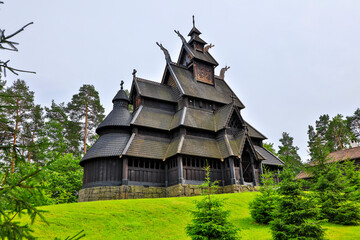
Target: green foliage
{"x": 270, "y": 147}
{"x": 210, "y": 219}
{"x": 295, "y": 212}
{"x": 288, "y": 153}
{"x": 62, "y": 134}
{"x": 352, "y": 179}
{"x": 263, "y": 206}
{"x": 334, "y": 134}
{"x": 62, "y": 179}
{"x": 85, "y": 108}
{"x": 17, "y": 192}
{"x": 332, "y": 190}
{"x": 354, "y": 124}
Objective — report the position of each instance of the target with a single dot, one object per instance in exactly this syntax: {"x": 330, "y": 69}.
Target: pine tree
{"x": 62, "y": 133}
{"x": 32, "y": 132}
{"x": 288, "y": 153}
{"x": 334, "y": 134}
{"x": 339, "y": 134}
{"x": 85, "y": 107}
{"x": 20, "y": 101}
{"x": 354, "y": 124}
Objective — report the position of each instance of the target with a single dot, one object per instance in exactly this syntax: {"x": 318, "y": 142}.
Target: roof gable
{"x": 220, "y": 92}
{"x": 151, "y": 89}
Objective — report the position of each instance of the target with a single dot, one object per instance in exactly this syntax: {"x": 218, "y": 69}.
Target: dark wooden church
{"x": 176, "y": 126}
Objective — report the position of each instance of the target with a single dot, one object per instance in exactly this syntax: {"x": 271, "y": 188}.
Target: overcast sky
{"x": 291, "y": 61}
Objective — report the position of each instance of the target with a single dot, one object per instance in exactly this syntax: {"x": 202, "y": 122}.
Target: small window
{"x": 191, "y": 102}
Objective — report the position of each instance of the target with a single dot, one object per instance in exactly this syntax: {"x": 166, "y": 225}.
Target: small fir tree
{"x": 210, "y": 219}
{"x": 262, "y": 208}
{"x": 332, "y": 188}
{"x": 295, "y": 212}
{"x": 288, "y": 153}
{"x": 18, "y": 191}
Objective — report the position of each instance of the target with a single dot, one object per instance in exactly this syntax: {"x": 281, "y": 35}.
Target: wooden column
{"x": 180, "y": 170}
{"x": 166, "y": 174}
{"x": 261, "y": 171}
{"x": 125, "y": 171}
{"x": 222, "y": 165}
{"x": 253, "y": 169}
{"x": 232, "y": 171}
{"x": 242, "y": 182}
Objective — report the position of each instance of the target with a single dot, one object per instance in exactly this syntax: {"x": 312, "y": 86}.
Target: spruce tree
{"x": 288, "y": 153}
{"x": 295, "y": 212}
{"x": 263, "y": 206}
{"x": 85, "y": 108}
{"x": 332, "y": 189}
{"x": 210, "y": 219}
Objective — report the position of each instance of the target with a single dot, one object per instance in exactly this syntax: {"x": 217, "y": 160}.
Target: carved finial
{"x": 134, "y": 73}
{"x": 121, "y": 85}
{"x": 207, "y": 47}
{"x": 193, "y": 21}
{"x": 180, "y": 36}
{"x": 222, "y": 72}
{"x": 166, "y": 52}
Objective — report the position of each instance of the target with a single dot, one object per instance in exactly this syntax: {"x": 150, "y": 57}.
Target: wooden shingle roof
{"x": 270, "y": 159}
{"x": 108, "y": 145}
{"x": 119, "y": 116}
{"x": 148, "y": 147}
{"x": 221, "y": 92}
{"x": 155, "y": 90}
{"x": 342, "y": 155}
{"x": 154, "y": 118}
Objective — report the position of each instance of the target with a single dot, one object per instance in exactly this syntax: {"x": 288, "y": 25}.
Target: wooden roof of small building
{"x": 338, "y": 156}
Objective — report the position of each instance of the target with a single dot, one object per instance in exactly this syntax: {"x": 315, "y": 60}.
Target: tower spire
{"x": 193, "y": 21}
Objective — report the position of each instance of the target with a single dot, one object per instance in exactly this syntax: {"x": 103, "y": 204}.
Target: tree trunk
{"x": 15, "y": 135}
{"x": 86, "y": 123}
{"x": 32, "y": 142}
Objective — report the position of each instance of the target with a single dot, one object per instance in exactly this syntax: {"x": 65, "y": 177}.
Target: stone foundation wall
{"x": 132, "y": 192}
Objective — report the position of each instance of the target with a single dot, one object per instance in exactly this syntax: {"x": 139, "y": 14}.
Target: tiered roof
{"x": 118, "y": 137}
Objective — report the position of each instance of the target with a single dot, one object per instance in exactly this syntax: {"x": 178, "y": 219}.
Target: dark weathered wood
{"x": 125, "y": 171}
{"x": 180, "y": 170}
{"x": 146, "y": 170}
{"x": 252, "y": 160}
{"x": 166, "y": 175}
{"x": 232, "y": 171}
{"x": 107, "y": 172}
{"x": 241, "y": 180}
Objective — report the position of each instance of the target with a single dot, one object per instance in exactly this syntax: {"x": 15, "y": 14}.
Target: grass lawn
{"x": 160, "y": 218}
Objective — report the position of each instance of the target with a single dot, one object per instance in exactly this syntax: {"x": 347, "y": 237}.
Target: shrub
{"x": 262, "y": 208}
{"x": 295, "y": 213}
{"x": 209, "y": 218}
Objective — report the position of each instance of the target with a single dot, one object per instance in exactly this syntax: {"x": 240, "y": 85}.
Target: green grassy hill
{"x": 163, "y": 218}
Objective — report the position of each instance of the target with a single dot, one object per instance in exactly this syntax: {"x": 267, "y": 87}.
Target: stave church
{"x": 157, "y": 141}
